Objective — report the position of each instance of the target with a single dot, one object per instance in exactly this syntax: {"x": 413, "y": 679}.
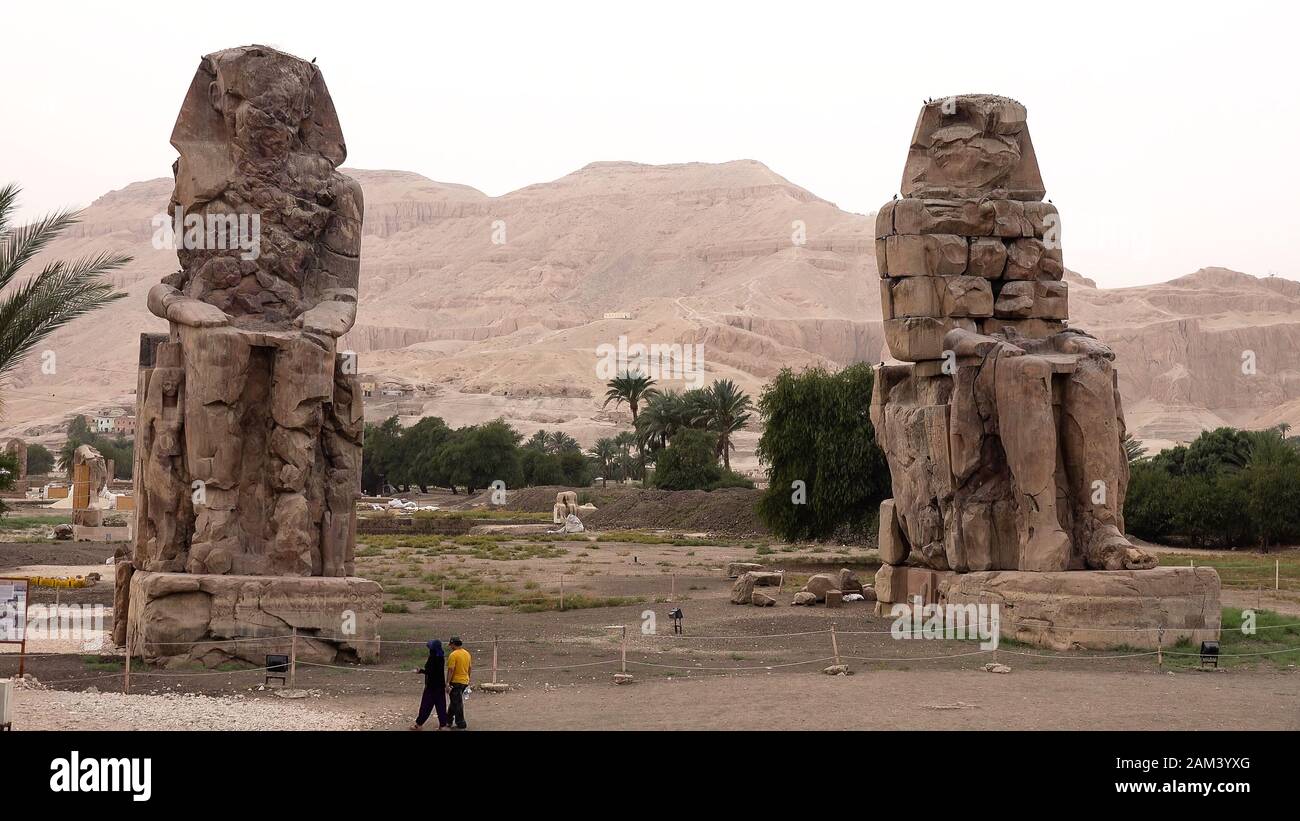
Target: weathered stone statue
{"x": 249, "y": 419}
{"x": 1004, "y": 437}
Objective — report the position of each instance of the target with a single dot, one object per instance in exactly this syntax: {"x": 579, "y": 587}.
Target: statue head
{"x": 972, "y": 146}
{"x": 253, "y": 110}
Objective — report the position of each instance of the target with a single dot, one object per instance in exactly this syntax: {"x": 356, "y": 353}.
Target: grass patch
{"x": 1248, "y": 571}
{"x": 494, "y": 547}
{"x": 100, "y": 665}
{"x": 637, "y": 537}
{"x": 1270, "y": 636}
{"x": 8, "y": 523}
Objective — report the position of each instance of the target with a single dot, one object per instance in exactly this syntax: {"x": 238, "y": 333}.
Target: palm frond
{"x": 19, "y": 245}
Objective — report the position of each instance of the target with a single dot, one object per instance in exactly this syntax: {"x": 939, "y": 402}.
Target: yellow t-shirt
{"x": 458, "y": 666}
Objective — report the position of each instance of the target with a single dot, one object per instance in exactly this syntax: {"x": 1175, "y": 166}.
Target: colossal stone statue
{"x": 1004, "y": 435}
{"x": 249, "y": 419}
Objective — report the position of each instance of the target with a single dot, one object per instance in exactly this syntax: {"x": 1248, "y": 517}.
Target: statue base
{"x": 175, "y": 618}
{"x": 1077, "y": 609}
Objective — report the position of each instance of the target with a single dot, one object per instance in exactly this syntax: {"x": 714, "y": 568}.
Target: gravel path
{"x": 64, "y": 710}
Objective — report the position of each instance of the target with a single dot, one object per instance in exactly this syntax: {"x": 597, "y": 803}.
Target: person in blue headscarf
{"x": 435, "y": 687}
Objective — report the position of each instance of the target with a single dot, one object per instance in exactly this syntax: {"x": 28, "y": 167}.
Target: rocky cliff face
{"x": 498, "y": 306}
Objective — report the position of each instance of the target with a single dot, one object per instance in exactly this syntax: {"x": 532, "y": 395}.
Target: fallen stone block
{"x": 735, "y": 569}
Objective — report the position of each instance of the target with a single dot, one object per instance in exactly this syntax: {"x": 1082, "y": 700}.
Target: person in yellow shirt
{"x": 459, "y": 663}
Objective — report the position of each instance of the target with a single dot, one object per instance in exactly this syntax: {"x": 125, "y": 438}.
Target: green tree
{"x": 1133, "y": 448}
{"x": 724, "y": 409}
{"x": 826, "y": 473}
{"x": 479, "y": 455}
{"x": 380, "y": 454}
{"x": 632, "y": 388}
{"x": 33, "y": 309}
{"x": 690, "y": 462}
{"x": 118, "y": 449}
{"x": 39, "y": 459}
{"x": 604, "y": 452}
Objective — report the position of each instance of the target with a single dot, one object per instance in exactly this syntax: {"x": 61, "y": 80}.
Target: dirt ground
{"x": 734, "y": 667}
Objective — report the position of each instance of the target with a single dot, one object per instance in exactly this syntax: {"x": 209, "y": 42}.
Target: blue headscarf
{"x": 435, "y": 648}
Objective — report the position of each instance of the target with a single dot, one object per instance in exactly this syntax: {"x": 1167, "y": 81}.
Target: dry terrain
{"x": 734, "y": 667}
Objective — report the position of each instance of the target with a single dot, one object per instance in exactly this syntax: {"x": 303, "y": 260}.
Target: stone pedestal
{"x": 183, "y": 617}
{"x": 1096, "y": 609}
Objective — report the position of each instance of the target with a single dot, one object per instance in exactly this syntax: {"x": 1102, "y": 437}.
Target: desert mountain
{"x": 499, "y": 306}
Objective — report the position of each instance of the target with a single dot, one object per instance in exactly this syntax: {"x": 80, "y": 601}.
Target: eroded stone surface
{"x": 1004, "y": 440}
{"x": 249, "y": 420}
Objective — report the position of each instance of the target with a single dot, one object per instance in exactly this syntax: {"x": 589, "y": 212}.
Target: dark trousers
{"x": 433, "y": 698}
{"x": 456, "y": 715}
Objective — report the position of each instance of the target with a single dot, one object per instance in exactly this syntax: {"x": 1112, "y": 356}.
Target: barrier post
{"x": 1277, "y": 574}
{"x": 1160, "y": 646}
{"x": 622, "y": 653}
{"x": 293, "y": 657}
{"x": 444, "y": 595}
{"x": 672, "y": 594}
{"x": 835, "y": 645}
{"x": 494, "y": 659}
{"x": 561, "y": 592}
{"x": 780, "y": 585}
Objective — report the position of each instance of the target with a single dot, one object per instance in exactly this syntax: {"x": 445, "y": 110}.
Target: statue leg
{"x": 216, "y": 364}
{"x": 1098, "y": 468}
{"x": 302, "y": 383}
{"x": 1028, "y": 430}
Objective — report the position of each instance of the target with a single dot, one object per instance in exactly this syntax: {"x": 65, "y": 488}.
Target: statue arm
{"x": 1081, "y": 343}
{"x": 170, "y": 304}
{"x": 333, "y": 316}
{"x": 968, "y": 343}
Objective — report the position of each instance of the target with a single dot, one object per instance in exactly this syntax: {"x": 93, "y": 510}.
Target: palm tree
{"x": 624, "y": 442}
{"x": 61, "y": 292}
{"x": 560, "y": 442}
{"x": 724, "y": 409}
{"x": 538, "y": 441}
{"x": 632, "y": 388}
{"x": 1133, "y": 449}
{"x": 604, "y": 452}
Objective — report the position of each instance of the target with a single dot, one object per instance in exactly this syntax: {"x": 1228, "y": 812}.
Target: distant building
{"x": 394, "y": 388}
{"x": 618, "y": 315}
{"x": 367, "y": 387}
{"x": 124, "y": 425}
{"x": 101, "y": 424}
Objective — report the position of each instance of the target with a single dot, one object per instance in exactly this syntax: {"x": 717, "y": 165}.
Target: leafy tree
{"x": 39, "y": 459}
{"x": 119, "y": 449}
{"x": 817, "y": 432}
{"x": 690, "y": 462}
{"x": 380, "y": 454}
{"x": 479, "y": 455}
{"x": 540, "y": 468}
{"x": 31, "y": 310}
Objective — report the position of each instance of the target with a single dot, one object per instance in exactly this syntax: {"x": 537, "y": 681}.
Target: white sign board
{"x": 13, "y": 610}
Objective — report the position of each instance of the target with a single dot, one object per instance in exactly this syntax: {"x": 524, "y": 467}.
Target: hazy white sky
{"x": 1167, "y": 133}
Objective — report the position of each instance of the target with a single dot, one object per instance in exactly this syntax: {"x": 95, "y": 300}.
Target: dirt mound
{"x": 726, "y": 512}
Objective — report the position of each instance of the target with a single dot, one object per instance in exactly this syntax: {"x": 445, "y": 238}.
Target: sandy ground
{"x": 735, "y": 667}
{"x": 969, "y": 699}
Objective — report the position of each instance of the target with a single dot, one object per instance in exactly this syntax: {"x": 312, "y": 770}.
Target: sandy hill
{"x": 496, "y": 306}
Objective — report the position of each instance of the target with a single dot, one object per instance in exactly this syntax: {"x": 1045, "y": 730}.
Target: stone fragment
{"x": 988, "y": 258}
{"x": 819, "y": 583}
{"x": 838, "y": 670}
{"x": 804, "y": 599}
{"x": 623, "y": 678}
{"x": 915, "y": 339}
{"x": 847, "y": 581}
{"x": 891, "y": 542}
{"x": 735, "y": 569}
{"x": 834, "y": 598}
{"x": 962, "y": 217}
{"x": 761, "y": 599}
{"x": 926, "y": 254}
{"x": 742, "y": 592}
{"x": 940, "y": 296}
